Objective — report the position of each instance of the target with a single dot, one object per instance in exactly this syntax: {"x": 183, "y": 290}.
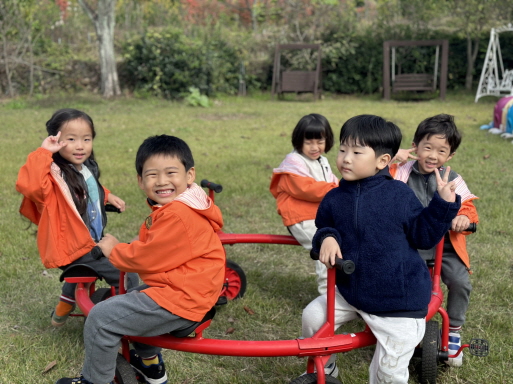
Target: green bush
{"x": 168, "y": 63}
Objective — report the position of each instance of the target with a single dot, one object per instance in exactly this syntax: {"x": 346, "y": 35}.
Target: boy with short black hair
{"x": 435, "y": 143}
{"x": 379, "y": 224}
{"x": 178, "y": 255}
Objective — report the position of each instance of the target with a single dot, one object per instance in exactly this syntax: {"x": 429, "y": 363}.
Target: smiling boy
{"x": 379, "y": 224}
{"x": 435, "y": 143}
{"x": 178, "y": 255}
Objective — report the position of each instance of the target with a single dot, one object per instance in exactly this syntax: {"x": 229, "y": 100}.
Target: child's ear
{"x": 139, "y": 181}
{"x": 413, "y": 145}
{"x": 191, "y": 176}
{"x": 451, "y": 156}
{"x": 383, "y": 161}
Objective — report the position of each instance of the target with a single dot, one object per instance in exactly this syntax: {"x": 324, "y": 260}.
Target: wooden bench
{"x": 296, "y": 81}
{"x": 413, "y": 82}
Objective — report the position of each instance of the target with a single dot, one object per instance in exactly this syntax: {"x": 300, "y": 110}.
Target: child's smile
{"x": 432, "y": 153}
{"x": 164, "y": 178}
{"x": 313, "y": 148}
{"x": 78, "y": 136}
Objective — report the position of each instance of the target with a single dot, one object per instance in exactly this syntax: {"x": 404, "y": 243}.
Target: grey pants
{"x": 133, "y": 314}
{"x": 456, "y": 277}
{"x": 103, "y": 266}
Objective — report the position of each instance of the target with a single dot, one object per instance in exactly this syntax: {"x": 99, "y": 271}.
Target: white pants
{"x": 304, "y": 232}
{"x": 396, "y": 337}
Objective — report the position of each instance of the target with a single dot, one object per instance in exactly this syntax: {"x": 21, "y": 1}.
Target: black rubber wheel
{"x": 428, "y": 367}
{"x": 234, "y": 281}
{"x": 125, "y": 374}
{"x": 100, "y": 294}
{"x": 311, "y": 378}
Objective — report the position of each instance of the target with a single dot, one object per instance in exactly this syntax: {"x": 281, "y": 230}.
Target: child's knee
{"x": 314, "y": 316}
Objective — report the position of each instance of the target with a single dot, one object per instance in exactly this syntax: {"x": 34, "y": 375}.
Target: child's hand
{"x": 403, "y": 155}
{"x": 116, "y": 201}
{"x": 329, "y": 251}
{"x": 53, "y": 144}
{"x": 460, "y": 223}
{"x": 445, "y": 188}
{"x": 107, "y": 244}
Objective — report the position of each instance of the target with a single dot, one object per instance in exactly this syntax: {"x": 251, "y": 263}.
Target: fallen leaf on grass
{"x": 249, "y": 310}
{"x": 231, "y": 320}
{"x": 50, "y": 366}
{"x": 486, "y": 157}
{"x": 229, "y": 331}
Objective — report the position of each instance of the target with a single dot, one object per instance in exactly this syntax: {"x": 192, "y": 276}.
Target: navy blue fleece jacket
{"x": 379, "y": 224}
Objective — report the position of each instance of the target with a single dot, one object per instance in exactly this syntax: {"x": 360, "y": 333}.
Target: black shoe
{"x": 153, "y": 374}
{"x": 76, "y": 380}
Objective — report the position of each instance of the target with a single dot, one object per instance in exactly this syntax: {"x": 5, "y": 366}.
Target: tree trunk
{"x": 472, "y": 50}
{"x": 104, "y": 22}
{"x": 6, "y": 66}
{"x": 31, "y": 63}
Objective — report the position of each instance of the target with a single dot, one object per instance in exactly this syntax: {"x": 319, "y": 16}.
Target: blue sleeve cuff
{"x": 322, "y": 234}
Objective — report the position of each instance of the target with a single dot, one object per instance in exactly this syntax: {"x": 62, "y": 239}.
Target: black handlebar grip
{"x": 217, "y": 188}
{"x": 112, "y": 208}
{"x": 346, "y": 266}
{"x": 471, "y": 228}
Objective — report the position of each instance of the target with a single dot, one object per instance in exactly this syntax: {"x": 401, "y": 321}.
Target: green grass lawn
{"x": 237, "y": 143}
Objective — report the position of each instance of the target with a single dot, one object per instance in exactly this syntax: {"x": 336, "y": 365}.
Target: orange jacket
{"x": 179, "y": 255}
{"x": 298, "y": 197}
{"x": 62, "y": 236}
{"x": 458, "y": 239}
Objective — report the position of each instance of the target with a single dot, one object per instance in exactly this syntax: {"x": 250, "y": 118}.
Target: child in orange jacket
{"x": 302, "y": 180}
{"x": 178, "y": 255}
{"x": 435, "y": 142}
{"x": 64, "y": 198}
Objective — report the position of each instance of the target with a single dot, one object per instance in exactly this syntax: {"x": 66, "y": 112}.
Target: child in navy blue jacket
{"x": 378, "y": 223}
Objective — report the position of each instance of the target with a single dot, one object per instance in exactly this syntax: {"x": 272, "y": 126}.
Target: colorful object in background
{"x": 500, "y": 113}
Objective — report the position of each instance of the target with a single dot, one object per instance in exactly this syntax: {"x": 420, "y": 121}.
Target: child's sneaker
{"x": 454, "y": 346}
{"x": 152, "y": 374}
{"x": 76, "y": 380}
{"x": 58, "y": 321}
{"x": 330, "y": 370}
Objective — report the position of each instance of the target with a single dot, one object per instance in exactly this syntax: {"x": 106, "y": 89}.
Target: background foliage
{"x": 214, "y": 45}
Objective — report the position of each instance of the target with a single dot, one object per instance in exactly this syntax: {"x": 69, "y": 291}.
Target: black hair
{"x": 163, "y": 145}
{"x": 440, "y": 125}
{"x": 372, "y": 131}
{"x": 312, "y": 126}
{"x": 74, "y": 181}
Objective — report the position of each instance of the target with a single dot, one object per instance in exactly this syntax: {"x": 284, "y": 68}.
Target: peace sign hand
{"x": 404, "y": 155}
{"x": 445, "y": 187}
{"x": 52, "y": 143}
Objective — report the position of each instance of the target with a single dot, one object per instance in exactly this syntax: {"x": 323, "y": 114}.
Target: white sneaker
{"x": 495, "y": 131}
{"x": 330, "y": 370}
{"x": 454, "y": 346}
